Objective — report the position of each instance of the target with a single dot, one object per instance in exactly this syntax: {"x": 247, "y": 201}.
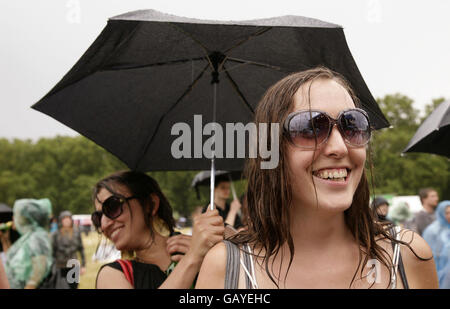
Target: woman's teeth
{"x": 332, "y": 174}
{"x": 115, "y": 232}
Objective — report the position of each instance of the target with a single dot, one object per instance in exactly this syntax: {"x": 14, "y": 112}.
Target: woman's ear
{"x": 155, "y": 200}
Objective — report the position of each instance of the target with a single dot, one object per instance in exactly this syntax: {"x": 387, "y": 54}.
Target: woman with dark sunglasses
{"x": 310, "y": 222}
{"x": 133, "y": 213}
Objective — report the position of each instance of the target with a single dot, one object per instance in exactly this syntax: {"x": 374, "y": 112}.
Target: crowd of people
{"x": 432, "y": 223}
{"x": 305, "y": 224}
{"x": 39, "y": 258}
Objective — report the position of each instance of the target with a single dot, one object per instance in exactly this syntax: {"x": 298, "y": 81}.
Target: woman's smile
{"x": 114, "y": 236}
{"x": 337, "y": 177}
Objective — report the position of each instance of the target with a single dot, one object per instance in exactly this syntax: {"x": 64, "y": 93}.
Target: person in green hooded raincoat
{"x": 29, "y": 259}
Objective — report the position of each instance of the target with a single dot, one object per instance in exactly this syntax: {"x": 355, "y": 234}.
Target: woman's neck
{"x": 316, "y": 228}
{"x": 155, "y": 254}
{"x": 320, "y": 239}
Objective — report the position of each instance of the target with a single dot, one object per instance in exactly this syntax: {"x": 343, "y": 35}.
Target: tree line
{"x": 65, "y": 169}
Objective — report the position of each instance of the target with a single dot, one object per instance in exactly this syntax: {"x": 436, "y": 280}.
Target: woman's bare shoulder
{"x": 212, "y": 271}
{"x": 417, "y": 258}
{"x": 111, "y": 278}
{"x": 416, "y": 242}
{"x": 418, "y": 261}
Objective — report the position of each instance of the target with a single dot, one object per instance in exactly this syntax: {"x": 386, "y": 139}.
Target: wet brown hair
{"x": 269, "y": 191}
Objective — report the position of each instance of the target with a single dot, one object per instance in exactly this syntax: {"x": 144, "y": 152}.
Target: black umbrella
{"x": 433, "y": 135}
{"x": 5, "y": 208}
{"x": 148, "y": 70}
{"x": 204, "y": 178}
{"x": 5, "y": 213}
{"x": 147, "y": 74}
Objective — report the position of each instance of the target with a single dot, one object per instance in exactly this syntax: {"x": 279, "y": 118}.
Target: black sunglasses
{"x": 112, "y": 207}
{"x": 309, "y": 129}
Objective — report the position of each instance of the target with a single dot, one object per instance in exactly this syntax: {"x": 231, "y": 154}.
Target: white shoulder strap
{"x": 395, "y": 258}
{"x": 251, "y": 276}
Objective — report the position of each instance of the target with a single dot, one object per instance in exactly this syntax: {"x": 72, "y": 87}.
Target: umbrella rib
{"x": 153, "y": 64}
{"x": 188, "y": 90}
{"x": 207, "y": 52}
{"x": 235, "y": 67}
{"x": 239, "y": 92}
{"x": 248, "y": 62}
{"x": 251, "y": 36}
{"x": 193, "y": 39}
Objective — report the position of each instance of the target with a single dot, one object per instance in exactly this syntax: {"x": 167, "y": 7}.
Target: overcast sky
{"x": 399, "y": 45}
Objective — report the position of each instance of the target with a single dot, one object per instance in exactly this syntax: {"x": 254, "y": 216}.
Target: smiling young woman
{"x": 134, "y": 214}
{"x": 311, "y": 224}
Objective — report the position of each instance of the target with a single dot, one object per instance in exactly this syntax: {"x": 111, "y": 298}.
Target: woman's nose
{"x": 105, "y": 222}
{"x": 335, "y": 145}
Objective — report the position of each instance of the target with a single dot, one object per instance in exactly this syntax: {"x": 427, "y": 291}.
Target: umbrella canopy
{"x": 148, "y": 71}
{"x": 5, "y": 213}
{"x": 433, "y": 135}
{"x": 5, "y": 208}
{"x": 203, "y": 178}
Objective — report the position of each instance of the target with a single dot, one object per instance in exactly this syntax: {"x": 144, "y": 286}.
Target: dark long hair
{"x": 269, "y": 191}
{"x": 142, "y": 186}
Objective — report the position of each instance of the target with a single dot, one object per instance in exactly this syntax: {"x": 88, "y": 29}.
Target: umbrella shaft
{"x": 213, "y": 173}
{"x": 213, "y": 168}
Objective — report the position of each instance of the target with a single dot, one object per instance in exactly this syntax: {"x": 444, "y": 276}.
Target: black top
{"x": 224, "y": 214}
{"x": 146, "y": 276}
{"x": 65, "y": 247}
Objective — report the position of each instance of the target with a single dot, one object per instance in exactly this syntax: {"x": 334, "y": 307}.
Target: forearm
{"x": 4, "y": 284}
{"x": 183, "y": 274}
{"x": 83, "y": 258}
{"x": 81, "y": 250}
{"x": 6, "y": 243}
